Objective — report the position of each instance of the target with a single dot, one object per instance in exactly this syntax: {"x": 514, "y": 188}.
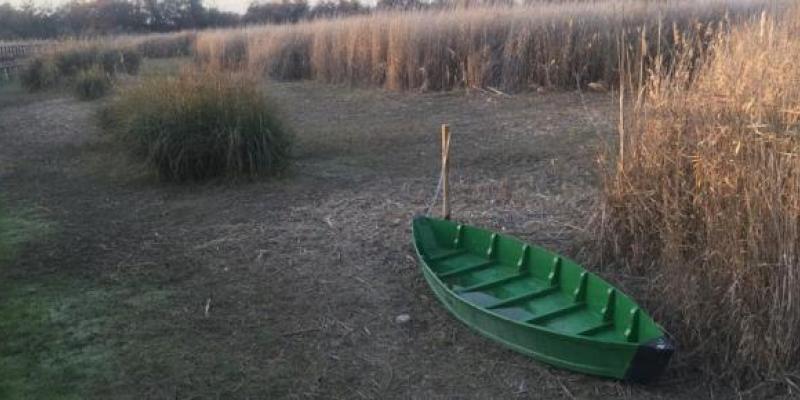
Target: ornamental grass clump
{"x": 39, "y": 74}
{"x": 77, "y": 61}
{"x": 120, "y": 60}
{"x": 201, "y": 125}
{"x": 92, "y": 83}
{"x": 703, "y": 199}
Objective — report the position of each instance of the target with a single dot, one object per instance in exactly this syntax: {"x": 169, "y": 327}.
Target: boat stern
{"x": 650, "y": 360}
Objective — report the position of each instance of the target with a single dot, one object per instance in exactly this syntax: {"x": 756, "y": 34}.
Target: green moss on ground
{"x": 50, "y": 334}
{"x": 49, "y": 328}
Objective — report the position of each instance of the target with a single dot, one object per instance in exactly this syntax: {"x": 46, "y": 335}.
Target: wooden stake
{"x": 445, "y": 171}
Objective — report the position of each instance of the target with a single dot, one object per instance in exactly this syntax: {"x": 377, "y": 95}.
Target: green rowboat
{"x": 539, "y": 303}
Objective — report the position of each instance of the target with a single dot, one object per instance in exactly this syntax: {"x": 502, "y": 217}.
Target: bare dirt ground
{"x": 289, "y": 288}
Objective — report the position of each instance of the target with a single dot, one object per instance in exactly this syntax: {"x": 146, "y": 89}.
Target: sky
{"x": 239, "y": 6}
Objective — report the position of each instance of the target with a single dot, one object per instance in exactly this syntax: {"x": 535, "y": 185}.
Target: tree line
{"x": 102, "y": 17}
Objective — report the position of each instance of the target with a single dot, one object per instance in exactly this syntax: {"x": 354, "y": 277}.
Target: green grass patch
{"x": 48, "y": 328}
{"x": 65, "y": 337}
{"x": 53, "y": 345}
{"x": 17, "y": 228}
{"x": 10, "y": 92}
{"x": 59, "y": 333}
{"x": 13, "y": 94}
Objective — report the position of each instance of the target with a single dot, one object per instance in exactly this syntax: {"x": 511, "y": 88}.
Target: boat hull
{"x": 641, "y": 362}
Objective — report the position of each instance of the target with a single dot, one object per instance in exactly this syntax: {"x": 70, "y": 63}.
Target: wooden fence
{"x": 12, "y": 56}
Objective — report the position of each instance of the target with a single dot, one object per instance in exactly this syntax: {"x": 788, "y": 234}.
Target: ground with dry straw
{"x": 290, "y": 288}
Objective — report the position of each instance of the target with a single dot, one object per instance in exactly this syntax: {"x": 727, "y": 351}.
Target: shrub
{"x": 92, "y": 83}
{"x": 73, "y": 59}
{"x": 167, "y": 45}
{"x": 110, "y": 60}
{"x": 124, "y": 60}
{"x": 704, "y": 201}
{"x": 201, "y": 125}
{"x": 131, "y": 60}
{"x": 40, "y": 73}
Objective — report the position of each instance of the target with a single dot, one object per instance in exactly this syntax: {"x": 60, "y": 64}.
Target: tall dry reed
{"x": 704, "y": 200}
{"x": 512, "y": 48}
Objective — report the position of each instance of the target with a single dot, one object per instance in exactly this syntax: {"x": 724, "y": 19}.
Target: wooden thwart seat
{"x": 540, "y": 319}
{"x": 468, "y": 268}
{"x": 524, "y": 297}
{"x": 492, "y": 283}
{"x": 447, "y": 254}
{"x": 596, "y": 329}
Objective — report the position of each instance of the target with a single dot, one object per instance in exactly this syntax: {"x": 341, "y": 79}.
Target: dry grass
{"x": 221, "y": 52}
{"x": 704, "y": 200}
{"x": 516, "y": 48}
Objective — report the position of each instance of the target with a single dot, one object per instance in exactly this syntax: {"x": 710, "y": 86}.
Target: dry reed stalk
{"x": 707, "y": 202}
{"x": 511, "y": 48}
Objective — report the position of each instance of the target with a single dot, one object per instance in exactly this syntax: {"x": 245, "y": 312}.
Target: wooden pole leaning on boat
{"x": 445, "y": 171}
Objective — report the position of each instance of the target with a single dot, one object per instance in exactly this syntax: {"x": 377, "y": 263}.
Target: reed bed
{"x": 703, "y": 199}
{"x": 510, "y": 48}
